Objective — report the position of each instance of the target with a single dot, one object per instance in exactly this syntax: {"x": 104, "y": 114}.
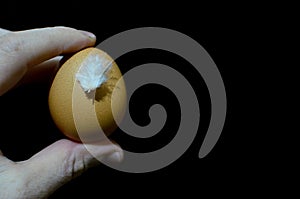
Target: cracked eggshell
{"x": 61, "y": 93}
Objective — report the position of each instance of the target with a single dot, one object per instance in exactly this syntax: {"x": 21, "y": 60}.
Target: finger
{"x": 21, "y": 50}
{"x": 61, "y": 162}
{"x": 37, "y": 45}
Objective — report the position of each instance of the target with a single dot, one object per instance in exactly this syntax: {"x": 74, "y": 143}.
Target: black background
{"x": 232, "y": 167}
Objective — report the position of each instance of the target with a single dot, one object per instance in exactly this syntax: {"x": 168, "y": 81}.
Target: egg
{"x": 98, "y": 83}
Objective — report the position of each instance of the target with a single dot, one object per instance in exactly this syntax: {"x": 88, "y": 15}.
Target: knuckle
{"x": 11, "y": 43}
{"x": 73, "y": 166}
{"x": 59, "y": 33}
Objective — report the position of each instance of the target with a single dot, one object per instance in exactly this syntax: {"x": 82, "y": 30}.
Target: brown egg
{"x": 76, "y": 87}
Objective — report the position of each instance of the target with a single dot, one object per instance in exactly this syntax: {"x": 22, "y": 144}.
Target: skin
{"x": 31, "y": 56}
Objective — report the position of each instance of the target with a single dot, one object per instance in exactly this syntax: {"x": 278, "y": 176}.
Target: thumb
{"x": 61, "y": 162}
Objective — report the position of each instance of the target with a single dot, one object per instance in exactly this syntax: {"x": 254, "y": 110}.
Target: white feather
{"x": 93, "y": 72}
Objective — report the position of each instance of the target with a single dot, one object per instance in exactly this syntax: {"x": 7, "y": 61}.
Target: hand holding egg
{"x": 32, "y": 55}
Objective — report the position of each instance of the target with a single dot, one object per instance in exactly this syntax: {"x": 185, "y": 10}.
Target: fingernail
{"x": 114, "y": 157}
{"x": 88, "y": 34}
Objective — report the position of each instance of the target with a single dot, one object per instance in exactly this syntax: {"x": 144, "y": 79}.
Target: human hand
{"x": 30, "y": 55}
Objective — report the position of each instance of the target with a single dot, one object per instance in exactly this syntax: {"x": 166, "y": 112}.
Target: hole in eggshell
{"x": 102, "y": 92}
{"x": 106, "y": 89}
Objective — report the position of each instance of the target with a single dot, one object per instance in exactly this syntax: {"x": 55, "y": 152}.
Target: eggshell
{"x": 61, "y": 93}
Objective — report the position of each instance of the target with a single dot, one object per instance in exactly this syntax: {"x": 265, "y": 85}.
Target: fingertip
{"x": 90, "y": 35}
